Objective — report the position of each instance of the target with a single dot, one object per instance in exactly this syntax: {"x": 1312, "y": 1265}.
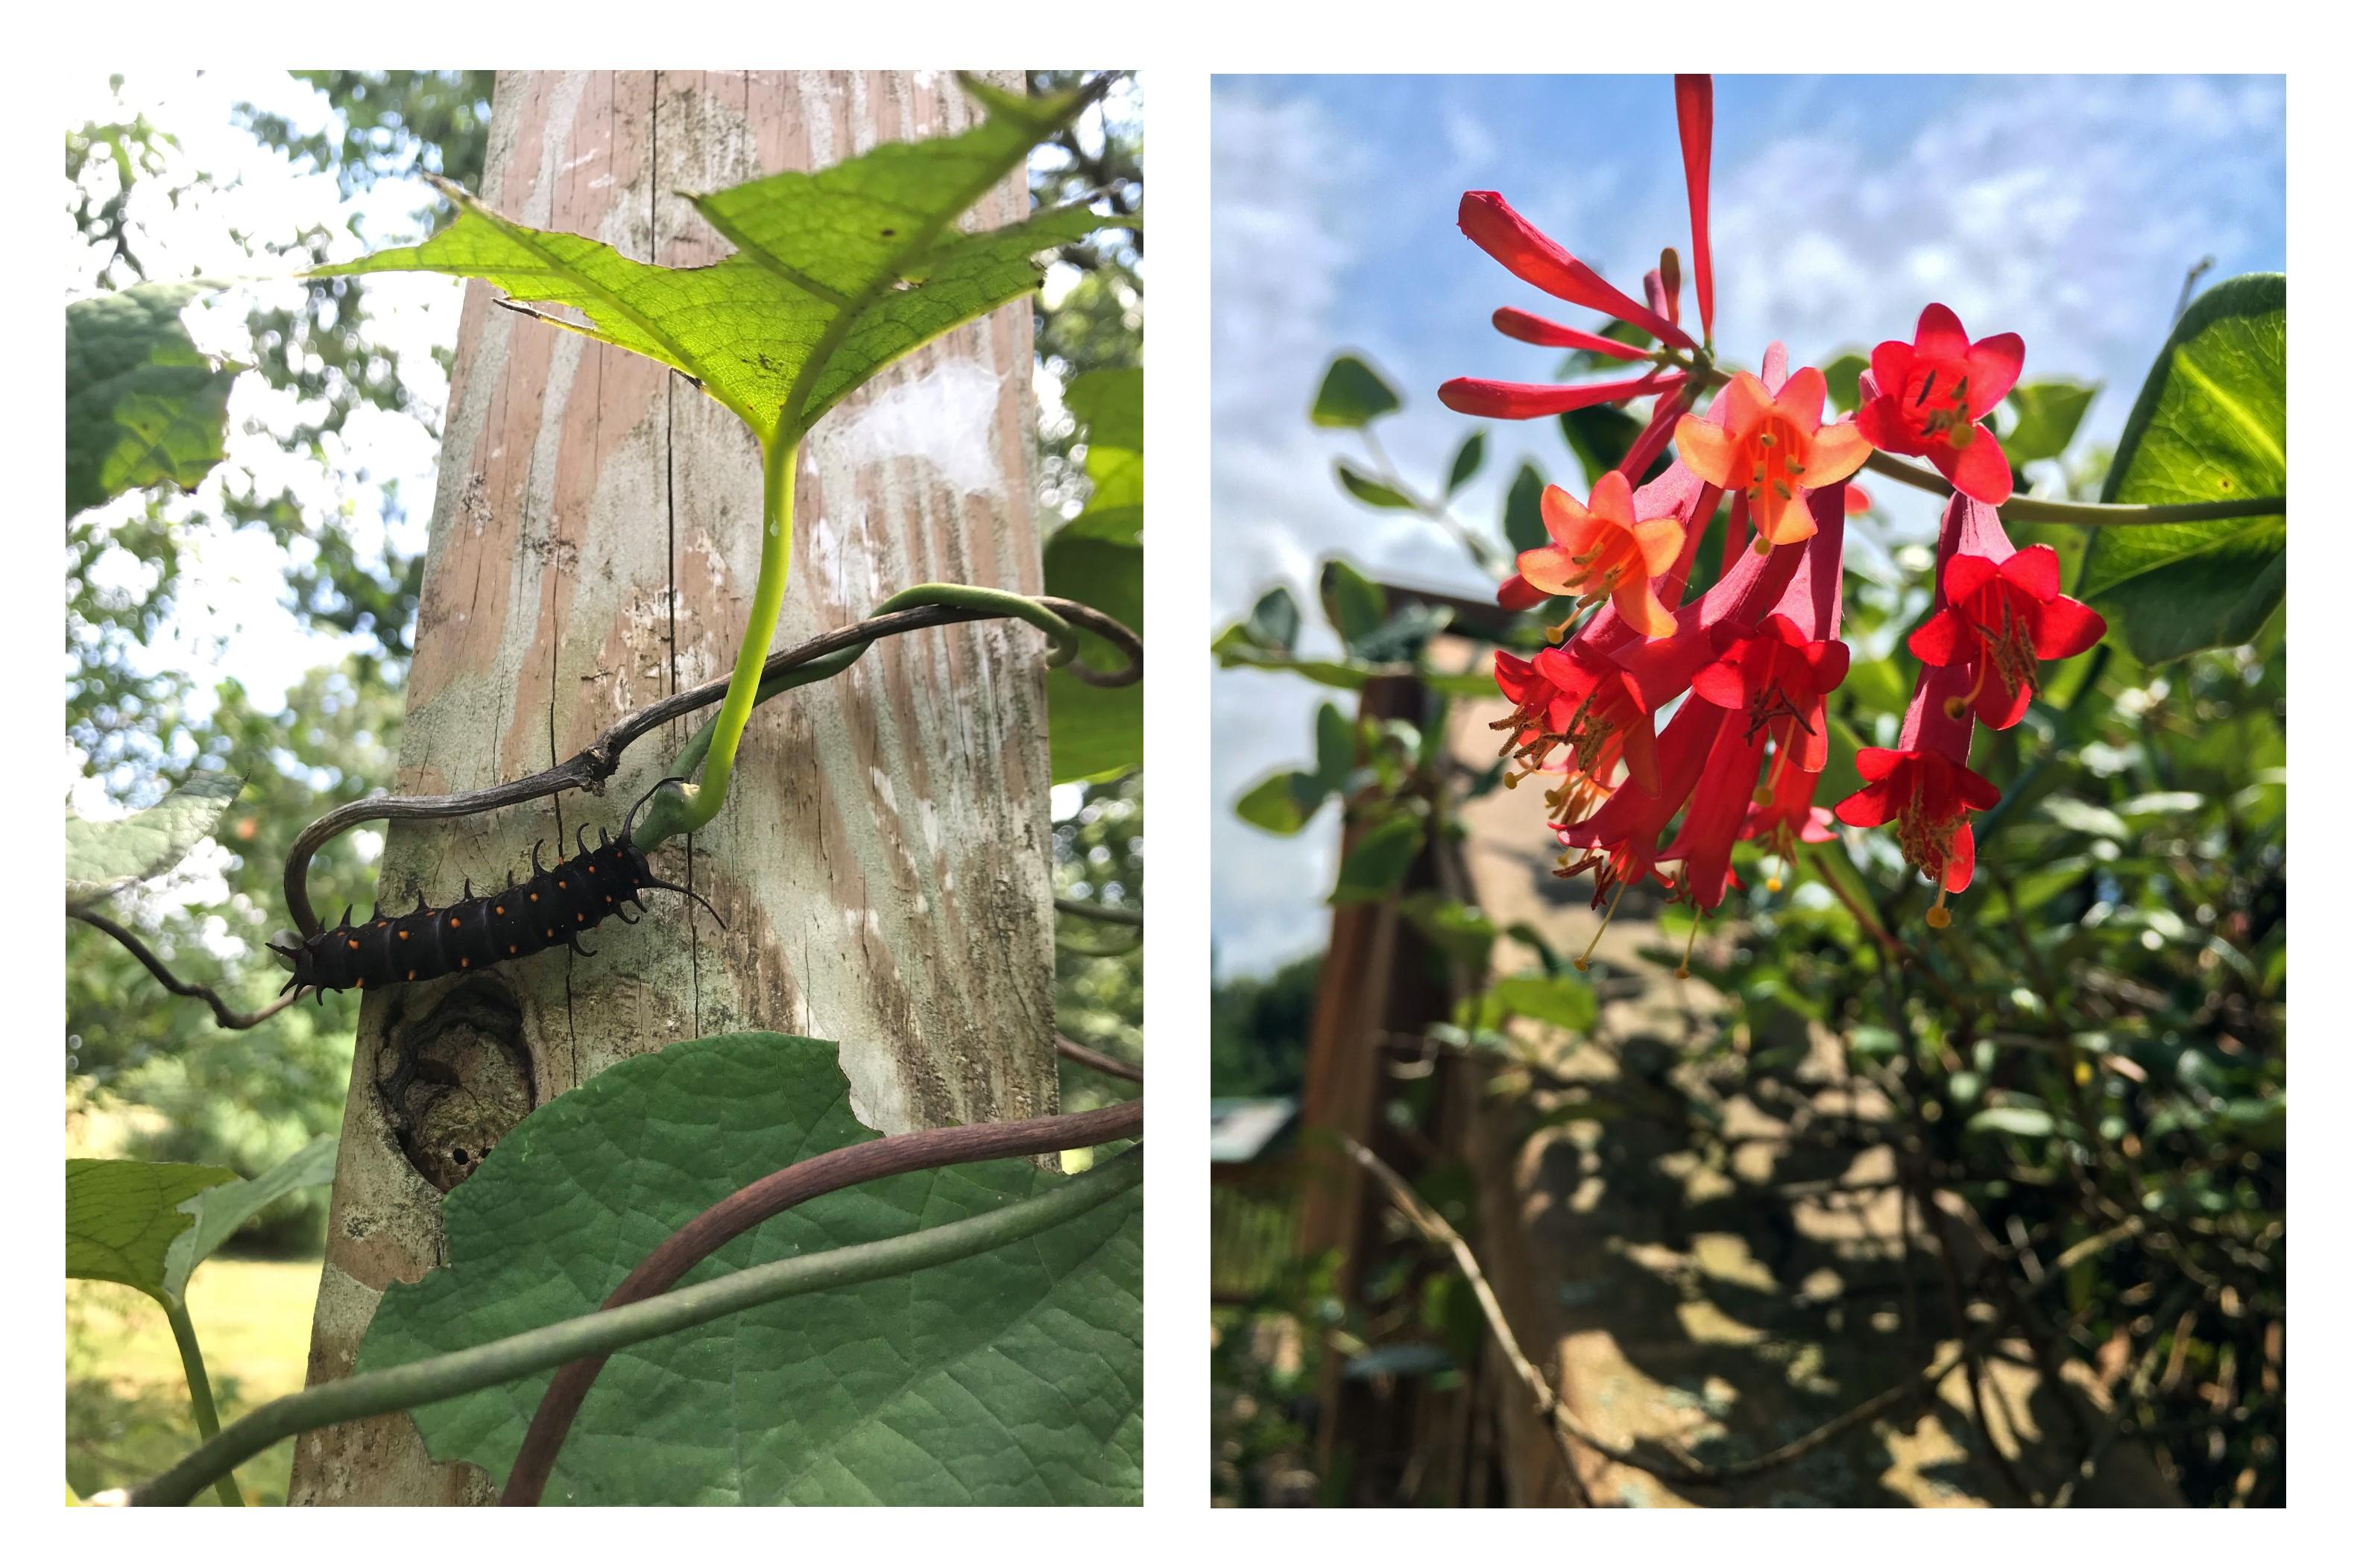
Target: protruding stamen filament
{"x": 1581, "y": 962}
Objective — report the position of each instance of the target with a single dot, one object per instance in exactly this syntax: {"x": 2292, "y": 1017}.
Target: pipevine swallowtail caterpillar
{"x": 553, "y": 908}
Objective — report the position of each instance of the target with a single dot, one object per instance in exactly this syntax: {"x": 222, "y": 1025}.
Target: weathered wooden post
{"x": 882, "y": 860}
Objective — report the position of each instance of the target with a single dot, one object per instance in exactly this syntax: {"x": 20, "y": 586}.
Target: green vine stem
{"x": 772, "y": 1195}
{"x": 691, "y": 805}
{"x": 2085, "y": 514}
{"x": 600, "y": 1333}
{"x": 201, "y": 1391}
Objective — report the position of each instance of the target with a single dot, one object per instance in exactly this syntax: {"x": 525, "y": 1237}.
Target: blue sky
{"x": 2065, "y": 208}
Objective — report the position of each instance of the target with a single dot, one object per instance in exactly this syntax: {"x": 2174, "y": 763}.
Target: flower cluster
{"x": 1749, "y": 664}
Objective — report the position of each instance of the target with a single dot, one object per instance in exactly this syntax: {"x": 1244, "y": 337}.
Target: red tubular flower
{"x": 1518, "y": 246}
{"x": 1722, "y": 799}
{"x": 1772, "y": 447}
{"x": 1787, "y": 819}
{"x": 1514, "y": 594}
{"x": 1523, "y": 326}
{"x": 1623, "y": 834}
{"x": 1776, "y": 676}
{"x": 1693, "y": 140}
{"x": 1925, "y": 786}
{"x": 1999, "y": 613}
{"x": 1524, "y": 399}
{"x": 1929, "y": 395}
{"x": 1603, "y": 550}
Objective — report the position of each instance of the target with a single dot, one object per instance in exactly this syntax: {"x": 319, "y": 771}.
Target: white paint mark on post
{"x": 946, "y": 418}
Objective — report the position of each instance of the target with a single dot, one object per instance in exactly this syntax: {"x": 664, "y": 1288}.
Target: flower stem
{"x": 201, "y": 1391}
{"x": 2090, "y": 514}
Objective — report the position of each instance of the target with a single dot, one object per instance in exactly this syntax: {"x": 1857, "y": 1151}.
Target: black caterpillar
{"x": 555, "y": 906}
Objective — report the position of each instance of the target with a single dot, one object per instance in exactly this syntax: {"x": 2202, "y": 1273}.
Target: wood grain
{"x": 882, "y": 861}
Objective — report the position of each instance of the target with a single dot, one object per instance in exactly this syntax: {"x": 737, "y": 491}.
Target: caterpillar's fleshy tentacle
{"x": 676, "y": 887}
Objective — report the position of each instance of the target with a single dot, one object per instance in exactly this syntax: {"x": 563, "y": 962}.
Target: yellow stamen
{"x": 1685, "y": 964}
{"x": 1580, "y": 963}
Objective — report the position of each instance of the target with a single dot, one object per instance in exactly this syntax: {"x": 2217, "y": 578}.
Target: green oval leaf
{"x": 2209, "y": 426}
{"x": 1468, "y": 461}
{"x": 143, "y": 406}
{"x": 1283, "y": 802}
{"x": 1365, "y": 487}
{"x": 1374, "y": 865}
{"x": 1013, "y": 1377}
{"x": 1841, "y": 374}
{"x": 1353, "y": 605}
{"x": 2046, "y": 414}
{"x": 1564, "y": 1000}
{"x": 2023, "y": 1120}
{"x": 1526, "y": 524}
{"x": 104, "y": 858}
{"x": 1338, "y": 747}
{"x": 1353, "y": 395}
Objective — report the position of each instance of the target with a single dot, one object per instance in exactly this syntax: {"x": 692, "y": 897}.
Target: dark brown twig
{"x": 773, "y": 1195}
{"x": 229, "y": 1017}
{"x": 1111, "y": 1067}
{"x": 591, "y": 766}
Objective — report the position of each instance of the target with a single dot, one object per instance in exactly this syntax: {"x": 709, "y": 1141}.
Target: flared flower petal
{"x": 1602, "y": 550}
{"x": 1998, "y": 614}
{"x": 1774, "y": 450}
{"x": 1929, "y": 396}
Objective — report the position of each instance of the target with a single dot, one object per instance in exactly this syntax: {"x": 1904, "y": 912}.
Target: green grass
{"x": 127, "y": 1401}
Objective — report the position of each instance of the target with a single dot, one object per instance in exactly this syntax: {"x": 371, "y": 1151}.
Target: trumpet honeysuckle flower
{"x": 1705, "y": 840}
{"x": 1778, "y": 678}
{"x": 1605, "y": 550}
{"x": 1516, "y": 244}
{"x": 1772, "y": 447}
{"x": 1928, "y": 397}
{"x": 1558, "y": 706}
{"x": 1999, "y": 613}
{"x": 1621, "y": 836}
{"x": 1789, "y": 817}
{"x": 1925, "y": 787}
{"x": 1529, "y": 400}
